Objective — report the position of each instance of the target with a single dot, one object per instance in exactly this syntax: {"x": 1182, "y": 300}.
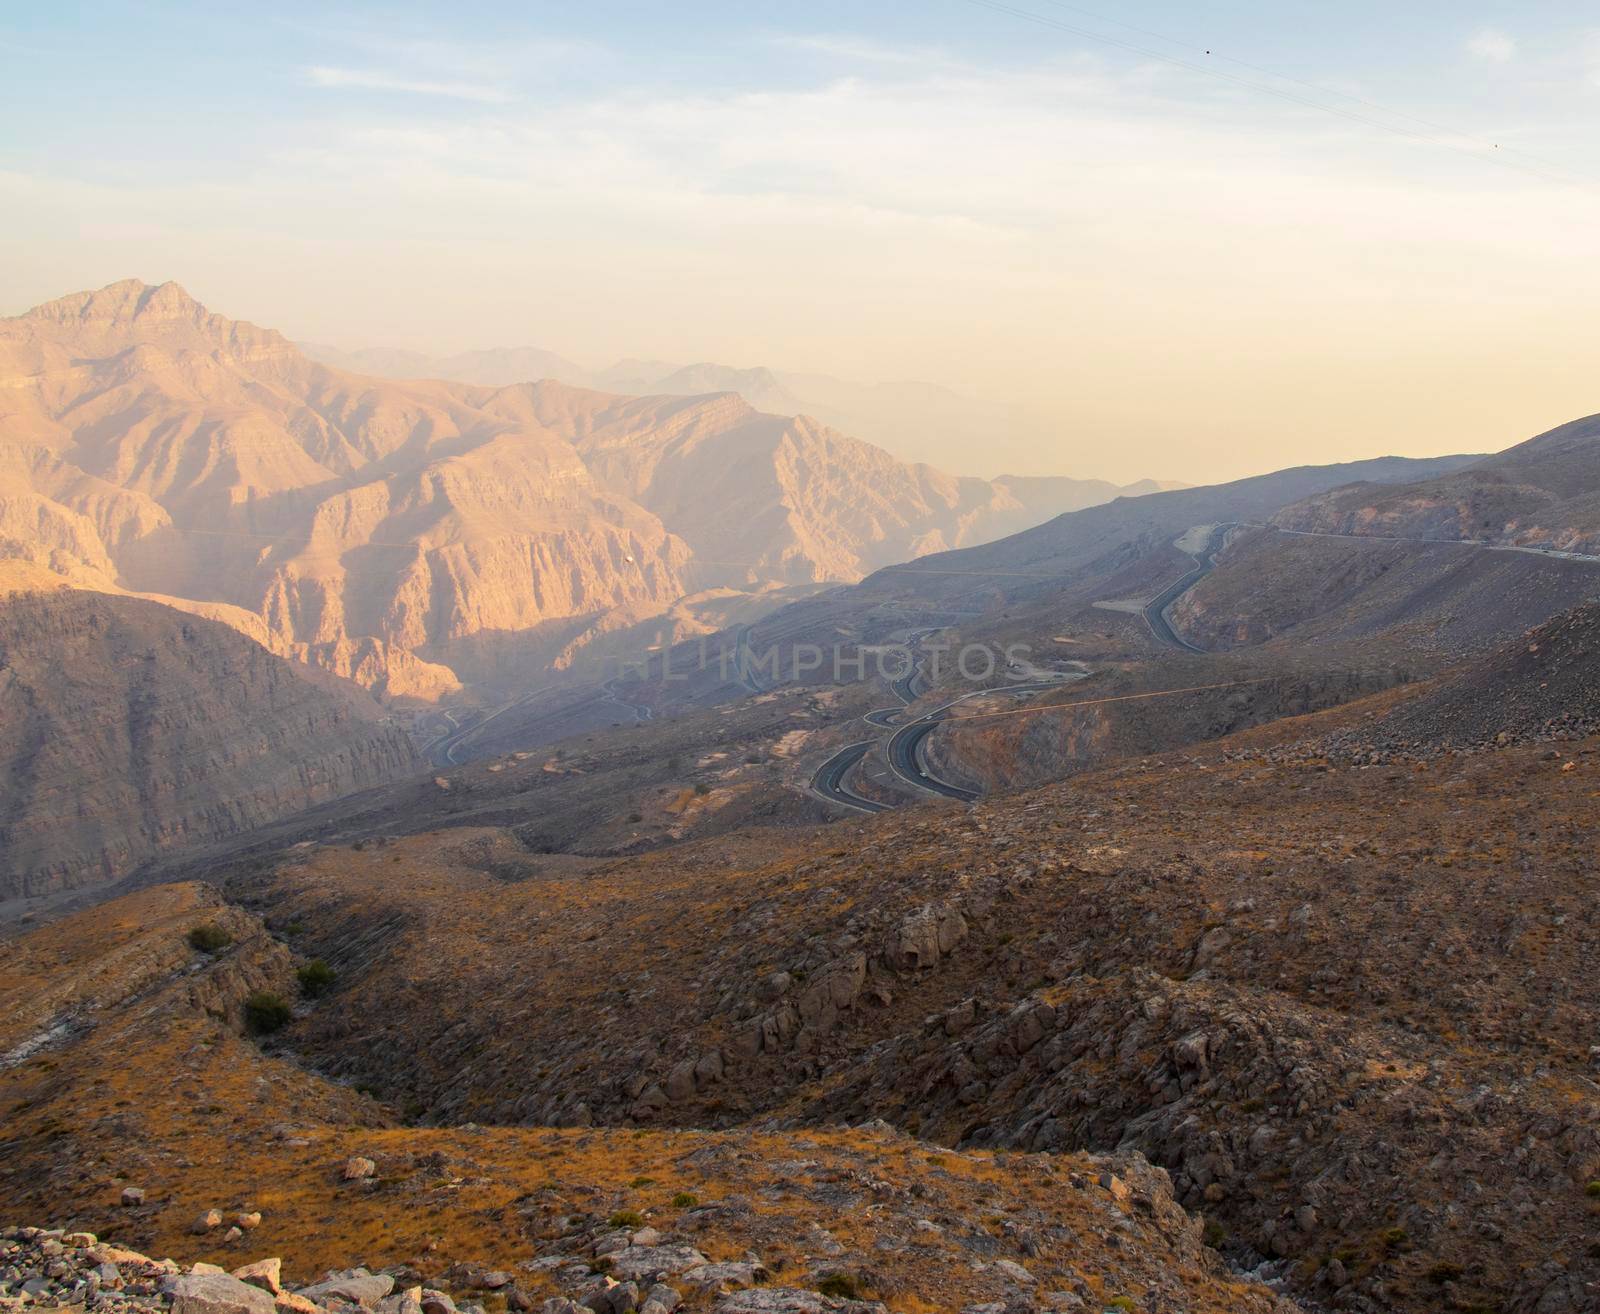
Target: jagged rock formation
{"x": 174, "y": 452}
{"x": 127, "y": 728}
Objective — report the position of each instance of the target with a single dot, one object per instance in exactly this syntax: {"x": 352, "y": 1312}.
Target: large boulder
{"x": 354, "y": 1286}
{"x": 264, "y": 1273}
{"x": 218, "y": 1293}
{"x": 648, "y": 1263}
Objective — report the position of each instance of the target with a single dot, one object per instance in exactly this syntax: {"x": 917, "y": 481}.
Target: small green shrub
{"x": 702, "y": 789}
{"x": 209, "y": 938}
{"x": 1395, "y": 1238}
{"x": 1121, "y": 1302}
{"x": 315, "y": 978}
{"x": 683, "y": 1200}
{"x": 1592, "y": 1190}
{"x": 265, "y": 1012}
{"x": 639, "y": 1182}
{"x": 626, "y": 1218}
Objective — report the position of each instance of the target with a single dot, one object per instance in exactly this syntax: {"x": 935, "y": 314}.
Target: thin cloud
{"x": 1492, "y": 46}
{"x": 358, "y": 79}
{"x": 866, "y": 51}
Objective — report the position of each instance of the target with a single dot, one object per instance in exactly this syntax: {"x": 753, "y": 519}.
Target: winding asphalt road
{"x": 1155, "y": 611}
{"x": 904, "y": 753}
{"x": 829, "y": 780}
{"x": 1550, "y": 554}
{"x": 904, "y": 749}
{"x": 905, "y": 760}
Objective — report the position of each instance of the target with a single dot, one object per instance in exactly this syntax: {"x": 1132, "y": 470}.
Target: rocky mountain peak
{"x": 131, "y": 312}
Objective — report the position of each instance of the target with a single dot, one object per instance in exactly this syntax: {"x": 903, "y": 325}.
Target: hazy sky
{"x": 1176, "y": 272}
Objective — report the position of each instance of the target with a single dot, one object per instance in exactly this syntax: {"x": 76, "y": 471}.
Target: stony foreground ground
{"x": 1330, "y": 1015}
{"x": 150, "y": 1121}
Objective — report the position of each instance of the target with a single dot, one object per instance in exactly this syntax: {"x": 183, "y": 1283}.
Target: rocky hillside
{"x": 1331, "y": 1002}
{"x": 1544, "y": 493}
{"x": 127, "y": 728}
{"x": 415, "y": 536}
{"x": 1404, "y": 599}
{"x": 282, "y": 1191}
{"x": 1543, "y": 687}
{"x": 1324, "y": 996}
{"x": 1028, "y": 585}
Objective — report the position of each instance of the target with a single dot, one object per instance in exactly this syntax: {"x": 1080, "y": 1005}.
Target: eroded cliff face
{"x": 127, "y": 728}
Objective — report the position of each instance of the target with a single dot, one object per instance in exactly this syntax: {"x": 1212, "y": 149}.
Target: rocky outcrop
{"x": 925, "y": 936}
{"x": 128, "y": 729}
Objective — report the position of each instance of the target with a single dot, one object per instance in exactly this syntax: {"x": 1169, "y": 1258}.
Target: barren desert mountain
{"x": 368, "y": 526}
{"x": 1543, "y": 493}
{"x": 1266, "y": 949}
{"x": 766, "y": 497}
{"x": 416, "y": 536}
{"x": 128, "y": 729}
{"x": 1024, "y": 587}
{"x": 1544, "y": 685}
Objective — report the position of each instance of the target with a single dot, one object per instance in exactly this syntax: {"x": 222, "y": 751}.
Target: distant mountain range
{"x": 417, "y": 536}
{"x": 905, "y": 417}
